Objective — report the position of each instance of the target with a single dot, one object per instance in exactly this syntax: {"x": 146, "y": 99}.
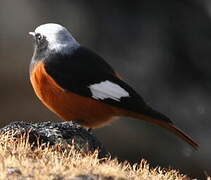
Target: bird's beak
{"x": 32, "y": 34}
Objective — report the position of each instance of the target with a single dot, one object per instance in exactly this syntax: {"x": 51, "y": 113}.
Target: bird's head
{"x": 53, "y": 38}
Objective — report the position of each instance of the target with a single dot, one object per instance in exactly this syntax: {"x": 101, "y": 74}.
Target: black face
{"x": 41, "y": 46}
{"x": 40, "y": 40}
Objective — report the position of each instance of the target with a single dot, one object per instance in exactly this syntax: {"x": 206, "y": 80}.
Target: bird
{"x": 78, "y": 85}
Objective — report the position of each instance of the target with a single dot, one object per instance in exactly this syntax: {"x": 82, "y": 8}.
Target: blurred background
{"x": 161, "y": 48}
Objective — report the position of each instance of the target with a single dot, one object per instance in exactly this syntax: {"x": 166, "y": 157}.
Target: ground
{"x": 19, "y": 160}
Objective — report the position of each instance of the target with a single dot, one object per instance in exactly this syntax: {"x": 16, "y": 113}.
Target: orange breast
{"x": 69, "y": 106}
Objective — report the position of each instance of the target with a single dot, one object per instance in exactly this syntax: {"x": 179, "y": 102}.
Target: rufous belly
{"x": 67, "y": 105}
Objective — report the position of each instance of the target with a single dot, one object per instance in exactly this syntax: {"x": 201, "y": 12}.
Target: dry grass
{"x": 18, "y": 160}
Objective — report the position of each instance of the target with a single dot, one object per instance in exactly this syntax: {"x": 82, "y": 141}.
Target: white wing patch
{"x": 108, "y": 89}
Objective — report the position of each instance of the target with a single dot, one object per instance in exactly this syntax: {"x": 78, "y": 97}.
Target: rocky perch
{"x": 62, "y": 133}
{"x": 67, "y": 155}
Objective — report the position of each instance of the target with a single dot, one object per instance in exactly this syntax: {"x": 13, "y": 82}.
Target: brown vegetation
{"x": 19, "y": 160}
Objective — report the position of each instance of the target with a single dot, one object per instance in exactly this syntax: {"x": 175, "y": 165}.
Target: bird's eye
{"x": 39, "y": 37}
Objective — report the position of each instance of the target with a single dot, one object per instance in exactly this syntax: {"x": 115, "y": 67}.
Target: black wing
{"x": 83, "y": 68}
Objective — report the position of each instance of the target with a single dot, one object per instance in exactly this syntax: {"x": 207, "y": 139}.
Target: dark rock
{"x": 13, "y": 171}
{"x": 95, "y": 177}
{"x": 58, "y": 177}
{"x": 64, "y": 133}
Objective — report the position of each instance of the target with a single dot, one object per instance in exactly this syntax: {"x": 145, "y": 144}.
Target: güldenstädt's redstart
{"x": 78, "y": 85}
